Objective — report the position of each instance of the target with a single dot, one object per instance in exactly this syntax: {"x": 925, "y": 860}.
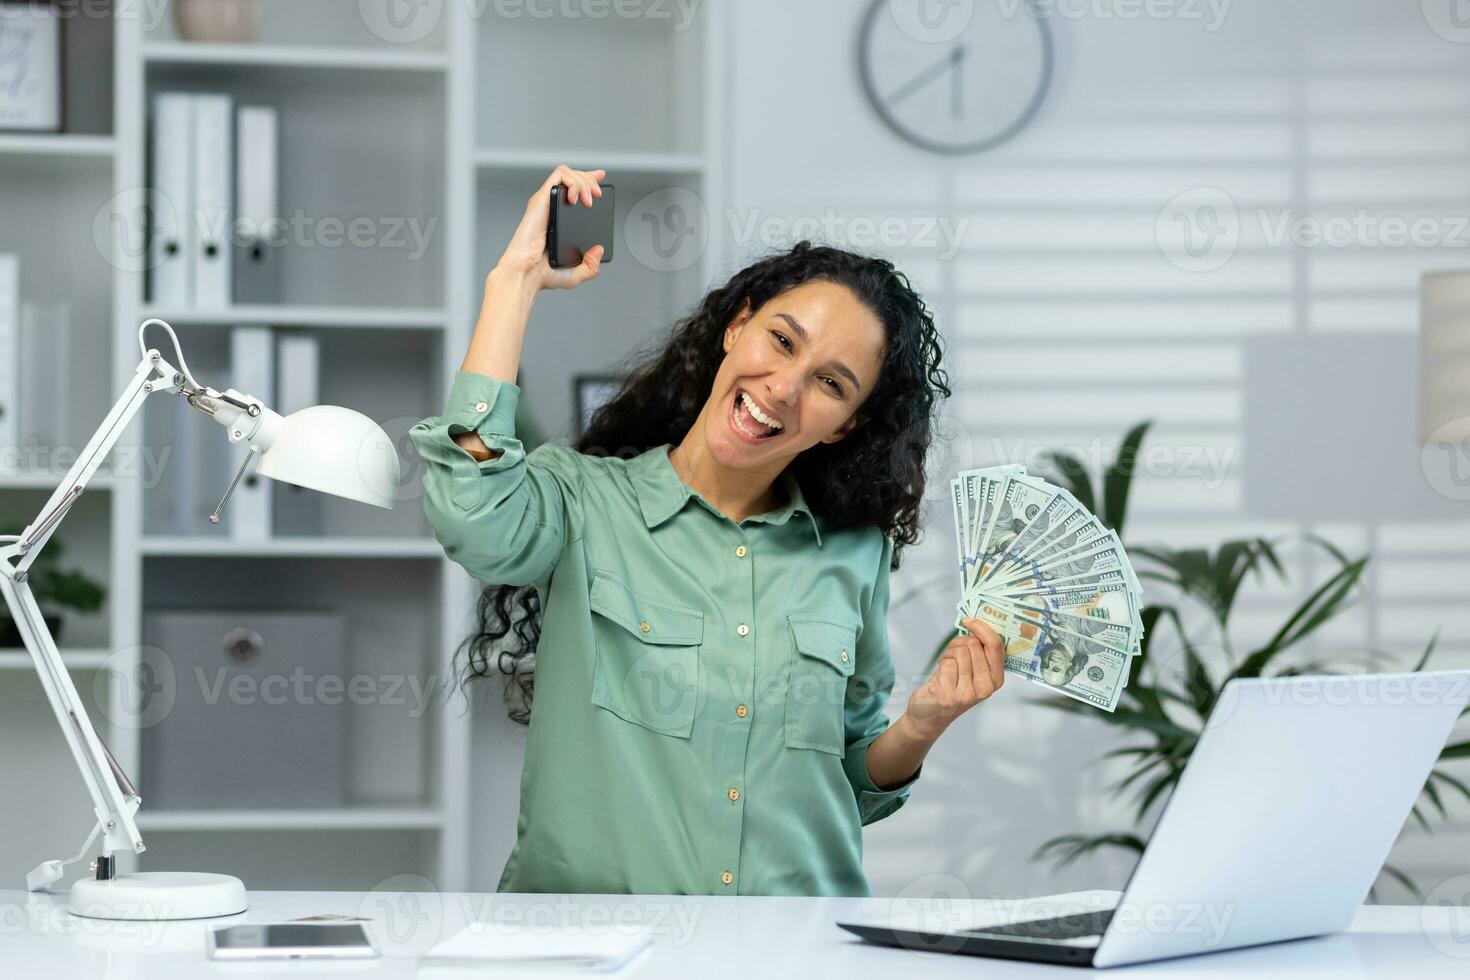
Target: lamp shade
{"x": 337, "y": 451}
{"x": 1444, "y": 358}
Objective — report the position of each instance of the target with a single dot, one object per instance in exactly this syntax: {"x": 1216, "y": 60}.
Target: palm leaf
{"x": 1400, "y": 877}
{"x": 1459, "y": 750}
{"x": 1068, "y": 848}
{"x": 1326, "y": 602}
{"x": 1074, "y": 476}
{"x": 1118, "y": 479}
{"x": 1151, "y": 795}
{"x": 1428, "y": 650}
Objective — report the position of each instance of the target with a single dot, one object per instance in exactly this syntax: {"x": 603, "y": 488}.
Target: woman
{"x": 712, "y": 559}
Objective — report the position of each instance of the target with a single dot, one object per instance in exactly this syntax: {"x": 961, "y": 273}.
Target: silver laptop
{"x": 1280, "y": 823}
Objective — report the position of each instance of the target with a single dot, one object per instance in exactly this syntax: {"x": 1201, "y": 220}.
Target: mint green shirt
{"x": 706, "y": 691}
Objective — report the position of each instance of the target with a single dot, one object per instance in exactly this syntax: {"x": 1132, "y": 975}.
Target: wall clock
{"x": 955, "y": 76}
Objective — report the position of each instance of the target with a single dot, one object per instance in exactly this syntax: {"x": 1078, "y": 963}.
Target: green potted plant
{"x": 1169, "y": 695}
{"x": 55, "y": 589}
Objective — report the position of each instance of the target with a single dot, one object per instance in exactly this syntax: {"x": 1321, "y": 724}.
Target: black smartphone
{"x": 575, "y": 228}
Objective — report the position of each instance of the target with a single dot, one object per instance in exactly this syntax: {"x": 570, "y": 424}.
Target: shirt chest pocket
{"x": 822, "y": 661}
{"x": 647, "y": 657}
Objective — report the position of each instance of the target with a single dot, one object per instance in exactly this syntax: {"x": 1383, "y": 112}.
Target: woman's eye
{"x": 784, "y": 342}
{"x": 836, "y": 388}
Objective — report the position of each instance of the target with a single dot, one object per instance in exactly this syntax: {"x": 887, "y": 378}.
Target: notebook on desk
{"x": 487, "y": 946}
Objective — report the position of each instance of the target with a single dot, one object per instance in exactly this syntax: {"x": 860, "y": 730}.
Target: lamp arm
{"x": 114, "y": 800}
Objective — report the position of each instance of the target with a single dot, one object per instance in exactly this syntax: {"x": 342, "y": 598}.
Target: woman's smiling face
{"x": 794, "y": 374}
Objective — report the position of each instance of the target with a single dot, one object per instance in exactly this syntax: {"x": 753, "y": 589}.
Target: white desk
{"x": 752, "y": 938}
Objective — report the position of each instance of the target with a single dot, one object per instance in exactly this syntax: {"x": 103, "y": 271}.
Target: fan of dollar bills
{"x": 1047, "y": 576}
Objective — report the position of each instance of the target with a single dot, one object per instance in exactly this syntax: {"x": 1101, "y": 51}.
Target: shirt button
{"x": 481, "y": 407}
{"x": 742, "y": 629}
{"x": 740, "y": 551}
{"x": 742, "y": 710}
{"x": 844, "y": 656}
{"x": 726, "y": 877}
{"x": 645, "y": 628}
{"x": 734, "y": 794}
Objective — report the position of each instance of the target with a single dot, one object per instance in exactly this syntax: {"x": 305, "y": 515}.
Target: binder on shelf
{"x": 9, "y": 351}
{"x": 257, "y": 204}
{"x": 45, "y": 360}
{"x": 172, "y": 242}
{"x": 249, "y": 511}
{"x": 214, "y": 169}
{"x": 298, "y": 382}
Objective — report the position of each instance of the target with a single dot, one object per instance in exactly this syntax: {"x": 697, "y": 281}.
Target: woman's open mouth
{"x": 747, "y": 423}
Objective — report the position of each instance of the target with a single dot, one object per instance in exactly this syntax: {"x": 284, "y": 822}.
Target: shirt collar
{"x": 662, "y": 493}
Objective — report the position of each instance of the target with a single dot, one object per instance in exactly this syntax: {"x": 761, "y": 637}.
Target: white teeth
{"x": 755, "y": 410}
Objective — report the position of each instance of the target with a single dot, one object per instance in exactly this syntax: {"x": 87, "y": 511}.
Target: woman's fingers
{"x": 993, "y": 659}
{"x": 964, "y": 660}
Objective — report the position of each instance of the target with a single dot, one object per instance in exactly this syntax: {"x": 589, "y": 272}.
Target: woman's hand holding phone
{"x": 526, "y": 253}
{"x": 522, "y": 272}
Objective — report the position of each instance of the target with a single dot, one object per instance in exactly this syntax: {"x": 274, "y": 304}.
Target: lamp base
{"x": 158, "y": 896}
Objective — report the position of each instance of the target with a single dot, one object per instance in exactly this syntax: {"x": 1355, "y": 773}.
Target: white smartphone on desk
{"x": 291, "y": 941}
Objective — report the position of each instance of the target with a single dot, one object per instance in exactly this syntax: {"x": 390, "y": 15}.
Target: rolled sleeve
{"x": 503, "y": 519}
{"x": 867, "y": 698}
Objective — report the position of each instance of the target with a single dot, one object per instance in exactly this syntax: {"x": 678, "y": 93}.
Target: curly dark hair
{"x": 875, "y": 475}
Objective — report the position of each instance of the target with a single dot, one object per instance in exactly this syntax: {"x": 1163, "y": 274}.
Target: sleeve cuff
{"x": 874, "y": 803}
{"x": 482, "y": 404}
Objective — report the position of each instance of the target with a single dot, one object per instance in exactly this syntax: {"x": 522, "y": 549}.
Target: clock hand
{"x": 957, "y": 88}
{"x": 923, "y": 78}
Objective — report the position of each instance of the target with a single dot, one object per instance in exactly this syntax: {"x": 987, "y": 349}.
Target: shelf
{"x": 60, "y": 145}
{"x": 414, "y": 318}
{"x": 547, "y": 158}
{"x": 363, "y": 818}
{"x": 80, "y": 658}
{"x": 303, "y": 547}
{"x": 292, "y": 56}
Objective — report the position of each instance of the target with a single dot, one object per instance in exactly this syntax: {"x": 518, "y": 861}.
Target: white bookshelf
{"x": 443, "y": 128}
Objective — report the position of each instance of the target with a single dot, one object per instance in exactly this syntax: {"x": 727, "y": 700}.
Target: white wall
{"x": 1282, "y": 383}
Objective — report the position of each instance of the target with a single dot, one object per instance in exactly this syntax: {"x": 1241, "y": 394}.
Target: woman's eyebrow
{"x": 841, "y": 368}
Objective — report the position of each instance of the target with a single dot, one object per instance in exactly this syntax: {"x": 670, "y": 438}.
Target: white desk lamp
{"x": 325, "y": 448}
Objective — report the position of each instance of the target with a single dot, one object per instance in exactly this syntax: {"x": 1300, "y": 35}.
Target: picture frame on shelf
{"x": 31, "y": 68}
{"x": 589, "y": 393}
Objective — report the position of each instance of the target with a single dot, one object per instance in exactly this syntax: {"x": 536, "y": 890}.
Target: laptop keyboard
{"x": 1061, "y": 927}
